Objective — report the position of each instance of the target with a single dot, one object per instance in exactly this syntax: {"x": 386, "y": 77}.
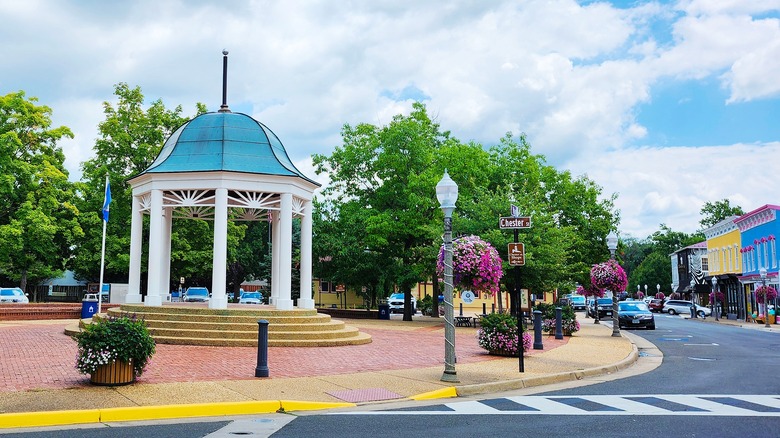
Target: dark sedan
{"x": 635, "y": 314}
{"x": 605, "y": 308}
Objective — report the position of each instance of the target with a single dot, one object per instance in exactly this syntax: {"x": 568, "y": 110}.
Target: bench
{"x": 463, "y": 321}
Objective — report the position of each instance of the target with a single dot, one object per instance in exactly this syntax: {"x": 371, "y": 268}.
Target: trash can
{"x": 89, "y": 306}
{"x": 384, "y": 311}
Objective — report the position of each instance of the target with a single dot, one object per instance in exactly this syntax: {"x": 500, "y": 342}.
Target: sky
{"x": 668, "y": 104}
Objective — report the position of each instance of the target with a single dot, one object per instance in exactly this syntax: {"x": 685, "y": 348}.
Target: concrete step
{"x": 196, "y": 324}
{"x": 361, "y": 338}
{"x": 288, "y": 326}
{"x": 164, "y": 332}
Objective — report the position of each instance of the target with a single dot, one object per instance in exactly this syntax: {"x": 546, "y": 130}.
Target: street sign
{"x": 514, "y": 222}
{"x": 467, "y": 297}
{"x": 515, "y": 211}
{"x": 516, "y": 253}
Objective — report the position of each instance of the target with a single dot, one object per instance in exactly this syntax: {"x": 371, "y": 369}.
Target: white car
{"x": 13, "y": 295}
{"x": 251, "y": 298}
{"x": 680, "y": 307}
{"x": 396, "y": 302}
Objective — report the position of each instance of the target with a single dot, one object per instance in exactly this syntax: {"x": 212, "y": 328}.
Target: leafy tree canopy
{"x": 38, "y": 217}
{"x": 714, "y": 212}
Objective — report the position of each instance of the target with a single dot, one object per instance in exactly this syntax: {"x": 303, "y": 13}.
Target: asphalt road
{"x": 713, "y": 382}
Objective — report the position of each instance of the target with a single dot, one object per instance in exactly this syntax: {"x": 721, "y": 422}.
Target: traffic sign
{"x": 514, "y": 222}
{"x": 516, "y": 253}
{"x": 514, "y": 211}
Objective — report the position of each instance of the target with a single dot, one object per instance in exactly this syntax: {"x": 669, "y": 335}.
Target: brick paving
{"x": 39, "y": 356}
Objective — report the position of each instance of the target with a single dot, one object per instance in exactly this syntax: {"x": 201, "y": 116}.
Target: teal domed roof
{"x": 224, "y": 141}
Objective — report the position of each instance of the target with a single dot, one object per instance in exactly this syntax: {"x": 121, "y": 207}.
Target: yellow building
{"x": 724, "y": 264}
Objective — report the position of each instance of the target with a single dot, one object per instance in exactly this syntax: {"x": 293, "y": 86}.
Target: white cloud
{"x": 569, "y": 75}
{"x": 670, "y": 185}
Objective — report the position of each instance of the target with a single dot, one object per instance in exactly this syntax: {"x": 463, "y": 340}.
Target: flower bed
{"x": 498, "y": 335}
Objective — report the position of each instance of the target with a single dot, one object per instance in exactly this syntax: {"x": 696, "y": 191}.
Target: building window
{"x": 774, "y": 252}
{"x": 324, "y": 286}
{"x": 705, "y": 266}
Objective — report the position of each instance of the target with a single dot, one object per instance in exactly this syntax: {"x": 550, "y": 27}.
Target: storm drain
{"x": 365, "y": 395}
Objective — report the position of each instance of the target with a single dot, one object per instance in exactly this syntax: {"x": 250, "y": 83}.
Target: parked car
{"x": 13, "y": 295}
{"x": 577, "y": 302}
{"x": 635, "y": 314}
{"x": 674, "y": 307}
{"x": 396, "y": 302}
{"x": 196, "y": 294}
{"x": 655, "y": 305}
{"x": 251, "y": 298}
{"x": 605, "y": 308}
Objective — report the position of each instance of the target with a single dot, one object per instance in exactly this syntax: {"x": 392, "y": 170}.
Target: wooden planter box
{"x": 114, "y": 374}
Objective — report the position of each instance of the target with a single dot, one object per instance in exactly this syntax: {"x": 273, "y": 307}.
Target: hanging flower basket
{"x": 765, "y": 291}
{"x": 476, "y": 265}
{"x": 609, "y": 275}
{"x": 591, "y": 291}
{"x": 721, "y": 297}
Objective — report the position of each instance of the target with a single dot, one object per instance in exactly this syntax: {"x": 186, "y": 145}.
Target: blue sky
{"x": 668, "y": 104}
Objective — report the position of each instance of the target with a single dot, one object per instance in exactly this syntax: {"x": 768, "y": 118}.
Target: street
{"x": 715, "y": 380}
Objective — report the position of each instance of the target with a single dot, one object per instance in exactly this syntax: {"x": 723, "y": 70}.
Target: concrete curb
{"x": 162, "y": 412}
{"x": 510, "y": 385}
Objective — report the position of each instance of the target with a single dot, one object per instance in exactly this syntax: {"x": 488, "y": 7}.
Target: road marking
{"x": 641, "y": 404}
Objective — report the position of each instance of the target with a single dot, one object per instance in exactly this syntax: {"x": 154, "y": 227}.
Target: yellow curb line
{"x": 50, "y": 418}
{"x": 160, "y": 412}
{"x": 448, "y": 392}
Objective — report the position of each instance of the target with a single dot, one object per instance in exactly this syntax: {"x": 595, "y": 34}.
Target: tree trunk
{"x": 408, "y": 304}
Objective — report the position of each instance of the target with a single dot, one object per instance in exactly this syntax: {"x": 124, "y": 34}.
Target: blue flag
{"x": 107, "y": 201}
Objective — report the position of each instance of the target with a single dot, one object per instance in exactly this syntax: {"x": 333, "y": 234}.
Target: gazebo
{"x": 222, "y": 166}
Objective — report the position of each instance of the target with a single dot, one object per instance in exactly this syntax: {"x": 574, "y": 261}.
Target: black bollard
{"x": 538, "y": 330}
{"x": 484, "y": 308}
{"x": 493, "y": 309}
{"x": 461, "y": 309}
{"x": 558, "y": 324}
{"x": 262, "y": 349}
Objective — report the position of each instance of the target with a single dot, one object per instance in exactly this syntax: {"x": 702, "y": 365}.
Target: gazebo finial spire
{"x": 224, "y": 107}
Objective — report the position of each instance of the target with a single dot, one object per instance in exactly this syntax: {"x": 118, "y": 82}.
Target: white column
{"x": 219, "y": 271}
{"x": 306, "y": 301}
{"x": 155, "y": 250}
{"x": 275, "y": 258}
{"x": 285, "y": 301}
{"x": 165, "y": 277}
{"x": 136, "y": 247}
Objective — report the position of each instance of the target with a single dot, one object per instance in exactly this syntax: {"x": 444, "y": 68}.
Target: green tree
{"x": 655, "y": 269}
{"x": 130, "y": 139}
{"x": 714, "y": 212}
{"x": 382, "y": 198}
{"x": 390, "y": 172}
{"x": 38, "y": 218}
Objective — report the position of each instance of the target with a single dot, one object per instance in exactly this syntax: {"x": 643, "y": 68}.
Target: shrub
{"x": 498, "y": 334}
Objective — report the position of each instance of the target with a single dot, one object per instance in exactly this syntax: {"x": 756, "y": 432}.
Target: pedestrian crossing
{"x": 661, "y": 404}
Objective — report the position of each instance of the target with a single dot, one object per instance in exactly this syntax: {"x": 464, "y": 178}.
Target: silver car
{"x": 675, "y": 307}
{"x": 251, "y": 298}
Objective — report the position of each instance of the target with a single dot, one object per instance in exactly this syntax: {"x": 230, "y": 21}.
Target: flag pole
{"x": 103, "y": 248}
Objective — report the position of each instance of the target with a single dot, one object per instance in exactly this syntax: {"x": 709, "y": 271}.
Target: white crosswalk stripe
{"x": 640, "y": 404}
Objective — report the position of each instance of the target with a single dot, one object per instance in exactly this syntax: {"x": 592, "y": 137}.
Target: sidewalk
{"x": 404, "y": 361}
